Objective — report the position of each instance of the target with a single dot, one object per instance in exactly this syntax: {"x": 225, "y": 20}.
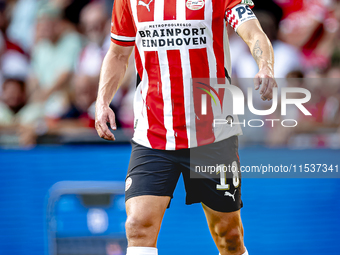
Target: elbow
{"x": 119, "y": 53}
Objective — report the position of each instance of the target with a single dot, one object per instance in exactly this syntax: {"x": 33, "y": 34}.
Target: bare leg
{"x": 226, "y": 230}
{"x": 144, "y": 218}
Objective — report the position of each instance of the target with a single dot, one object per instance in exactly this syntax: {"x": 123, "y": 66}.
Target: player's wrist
{"x": 102, "y": 105}
{"x": 267, "y": 68}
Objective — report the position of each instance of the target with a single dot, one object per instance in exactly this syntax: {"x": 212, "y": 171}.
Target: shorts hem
{"x": 139, "y": 194}
{"x": 229, "y": 209}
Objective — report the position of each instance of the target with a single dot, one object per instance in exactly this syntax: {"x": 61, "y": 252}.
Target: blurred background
{"x": 61, "y": 189}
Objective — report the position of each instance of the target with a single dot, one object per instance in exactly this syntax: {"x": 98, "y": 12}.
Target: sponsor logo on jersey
{"x": 244, "y": 11}
{"x": 128, "y": 183}
{"x": 172, "y": 35}
{"x": 147, "y": 6}
{"x": 249, "y": 2}
{"x": 195, "y": 4}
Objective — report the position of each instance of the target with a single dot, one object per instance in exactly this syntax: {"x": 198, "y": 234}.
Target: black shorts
{"x": 156, "y": 172}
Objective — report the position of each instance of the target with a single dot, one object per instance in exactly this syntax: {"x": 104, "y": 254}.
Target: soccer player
{"x": 179, "y": 44}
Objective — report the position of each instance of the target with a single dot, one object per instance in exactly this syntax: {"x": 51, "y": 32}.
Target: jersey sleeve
{"x": 123, "y": 30}
{"x": 239, "y": 11}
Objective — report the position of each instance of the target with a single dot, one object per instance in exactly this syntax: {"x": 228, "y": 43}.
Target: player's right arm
{"x": 262, "y": 51}
{"x": 111, "y": 75}
{"x": 242, "y": 19}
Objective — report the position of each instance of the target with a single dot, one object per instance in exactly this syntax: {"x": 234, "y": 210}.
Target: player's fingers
{"x": 268, "y": 94}
{"x": 112, "y": 120}
{"x": 103, "y": 131}
{"x": 257, "y": 82}
{"x": 99, "y": 130}
{"x": 265, "y": 83}
{"x": 107, "y": 132}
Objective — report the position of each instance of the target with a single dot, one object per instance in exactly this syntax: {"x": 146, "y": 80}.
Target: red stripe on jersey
{"x": 177, "y": 99}
{"x": 200, "y": 69}
{"x": 231, "y": 4}
{"x": 154, "y": 102}
{"x": 193, "y": 14}
{"x": 170, "y": 9}
{"x": 122, "y": 11}
{"x": 218, "y": 27}
{"x": 145, "y": 10}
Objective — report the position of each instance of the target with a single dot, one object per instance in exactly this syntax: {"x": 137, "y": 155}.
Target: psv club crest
{"x": 195, "y": 4}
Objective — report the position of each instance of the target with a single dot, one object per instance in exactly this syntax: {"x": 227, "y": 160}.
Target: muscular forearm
{"x": 258, "y": 43}
{"x": 262, "y": 51}
{"x": 112, "y": 73}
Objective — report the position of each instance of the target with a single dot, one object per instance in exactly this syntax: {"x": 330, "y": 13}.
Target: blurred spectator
{"x": 13, "y": 99}
{"x": 16, "y": 116}
{"x": 13, "y": 60}
{"x": 21, "y": 30}
{"x": 53, "y": 60}
{"x": 73, "y": 8}
{"x": 95, "y": 25}
{"x": 331, "y": 111}
{"x": 79, "y": 117}
{"x": 312, "y": 28}
{"x": 83, "y": 97}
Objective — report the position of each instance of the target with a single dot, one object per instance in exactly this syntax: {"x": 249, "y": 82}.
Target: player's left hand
{"x": 264, "y": 79}
{"x": 105, "y": 115}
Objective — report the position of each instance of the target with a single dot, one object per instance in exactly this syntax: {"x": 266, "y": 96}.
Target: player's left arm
{"x": 262, "y": 51}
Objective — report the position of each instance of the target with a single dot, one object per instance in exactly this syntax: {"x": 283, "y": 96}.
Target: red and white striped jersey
{"x": 178, "y": 42}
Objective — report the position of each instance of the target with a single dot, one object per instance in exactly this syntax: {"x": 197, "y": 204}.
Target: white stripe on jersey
{"x": 227, "y": 58}
{"x": 180, "y": 11}
{"x": 210, "y": 51}
{"x": 188, "y": 99}
{"x": 159, "y": 10}
{"x": 140, "y": 112}
{"x": 166, "y": 92}
{"x": 122, "y": 38}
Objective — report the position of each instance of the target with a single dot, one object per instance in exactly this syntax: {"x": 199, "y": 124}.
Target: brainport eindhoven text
{"x": 159, "y": 36}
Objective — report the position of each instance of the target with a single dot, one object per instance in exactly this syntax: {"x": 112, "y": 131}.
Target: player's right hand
{"x": 105, "y": 115}
{"x": 265, "y": 81}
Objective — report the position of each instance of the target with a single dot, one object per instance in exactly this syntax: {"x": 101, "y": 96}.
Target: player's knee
{"x": 135, "y": 224}
{"x": 233, "y": 239}
{"x": 140, "y": 228}
{"x": 230, "y": 237}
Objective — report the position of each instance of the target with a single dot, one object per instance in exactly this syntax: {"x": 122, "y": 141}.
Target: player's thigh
{"x": 146, "y": 210}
